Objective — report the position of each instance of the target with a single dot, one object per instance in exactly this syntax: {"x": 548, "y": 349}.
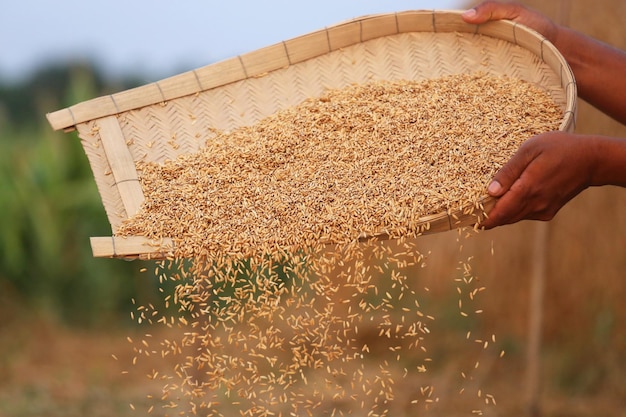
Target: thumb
{"x": 507, "y": 175}
{"x": 491, "y": 10}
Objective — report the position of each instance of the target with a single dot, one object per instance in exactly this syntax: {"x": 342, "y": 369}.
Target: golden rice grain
{"x": 280, "y": 306}
{"x": 364, "y": 160}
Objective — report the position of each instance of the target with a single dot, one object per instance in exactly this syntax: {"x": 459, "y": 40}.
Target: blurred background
{"x": 555, "y": 291}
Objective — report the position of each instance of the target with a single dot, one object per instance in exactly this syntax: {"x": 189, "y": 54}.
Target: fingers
{"x": 545, "y": 173}
{"x": 492, "y": 10}
{"x": 506, "y": 176}
{"x": 495, "y": 188}
{"x": 508, "y": 186}
{"x": 507, "y": 210}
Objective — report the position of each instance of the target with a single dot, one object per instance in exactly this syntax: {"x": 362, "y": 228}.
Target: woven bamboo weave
{"x": 175, "y": 116}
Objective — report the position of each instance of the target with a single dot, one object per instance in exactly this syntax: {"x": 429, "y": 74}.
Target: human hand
{"x": 494, "y": 10}
{"x": 545, "y": 173}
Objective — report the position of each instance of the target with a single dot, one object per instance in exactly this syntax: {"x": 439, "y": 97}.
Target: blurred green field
{"x": 49, "y": 206}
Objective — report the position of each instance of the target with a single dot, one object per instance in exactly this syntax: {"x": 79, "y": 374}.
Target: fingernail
{"x": 469, "y": 13}
{"x": 495, "y": 188}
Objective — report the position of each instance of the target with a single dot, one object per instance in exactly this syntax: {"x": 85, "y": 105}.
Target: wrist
{"x": 607, "y": 161}
{"x": 561, "y": 38}
{"x": 594, "y": 155}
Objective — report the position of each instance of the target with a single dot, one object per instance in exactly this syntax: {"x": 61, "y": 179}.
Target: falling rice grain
{"x": 298, "y": 194}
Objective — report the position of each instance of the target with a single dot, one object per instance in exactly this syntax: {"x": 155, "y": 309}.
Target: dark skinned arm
{"x": 550, "y": 169}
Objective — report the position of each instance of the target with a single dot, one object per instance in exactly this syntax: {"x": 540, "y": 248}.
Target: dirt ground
{"x": 50, "y": 370}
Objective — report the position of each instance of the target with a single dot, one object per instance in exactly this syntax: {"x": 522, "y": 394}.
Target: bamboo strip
{"x": 264, "y": 60}
{"x": 129, "y": 99}
{"x": 379, "y": 26}
{"x": 342, "y": 36}
{"x": 218, "y": 74}
{"x": 307, "y": 46}
{"x": 415, "y": 22}
{"x": 450, "y": 22}
{"x": 92, "y": 146}
{"x": 184, "y": 84}
{"x": 122, "y": 164}
{"x": 130, "y": 247}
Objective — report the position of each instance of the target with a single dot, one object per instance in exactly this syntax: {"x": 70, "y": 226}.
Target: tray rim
{"x": 291, "y": 51}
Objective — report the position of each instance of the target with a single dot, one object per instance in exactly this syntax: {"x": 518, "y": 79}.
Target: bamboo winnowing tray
{"x": 174, "y": 116}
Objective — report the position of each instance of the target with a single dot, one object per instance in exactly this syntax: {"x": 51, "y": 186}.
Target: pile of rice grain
{"x": 363, "y": 160}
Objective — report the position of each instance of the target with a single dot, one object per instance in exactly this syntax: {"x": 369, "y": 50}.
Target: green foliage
{"x": 49, "y": 207}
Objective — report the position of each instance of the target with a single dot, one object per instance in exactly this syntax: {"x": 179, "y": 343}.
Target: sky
{"x": 156, "y": 39}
